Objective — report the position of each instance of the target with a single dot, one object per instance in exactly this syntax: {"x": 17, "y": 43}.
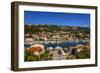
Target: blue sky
{"x": 56, "y": 18}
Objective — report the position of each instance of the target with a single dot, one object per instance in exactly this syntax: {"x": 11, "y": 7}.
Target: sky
{"x": 56, "y": 18}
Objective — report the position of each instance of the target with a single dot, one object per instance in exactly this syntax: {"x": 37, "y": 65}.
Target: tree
{"x": 85, "y": 53}
{"x": 32, "y": 58}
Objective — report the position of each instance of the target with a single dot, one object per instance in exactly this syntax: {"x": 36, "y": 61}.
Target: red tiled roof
{"x": 33, "y": 49}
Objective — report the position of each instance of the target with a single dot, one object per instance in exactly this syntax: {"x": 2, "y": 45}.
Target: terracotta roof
{"x": 33, "y": 49}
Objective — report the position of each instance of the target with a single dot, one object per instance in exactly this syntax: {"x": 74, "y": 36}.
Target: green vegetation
{"x": 85, "y": 53}
{"x": 51, "y": 28}
{"x": 30, "y": 57}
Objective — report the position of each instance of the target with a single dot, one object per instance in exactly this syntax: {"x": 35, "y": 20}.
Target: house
{"x": 36, "y": 49}
{"x": 79, "y": 47}
{"x": 29, "y": 39}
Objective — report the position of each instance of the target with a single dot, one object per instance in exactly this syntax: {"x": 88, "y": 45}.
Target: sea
{"x": 61, "y": 44}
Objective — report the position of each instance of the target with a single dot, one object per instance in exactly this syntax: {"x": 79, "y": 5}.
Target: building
{"x": 36, "y": 49}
